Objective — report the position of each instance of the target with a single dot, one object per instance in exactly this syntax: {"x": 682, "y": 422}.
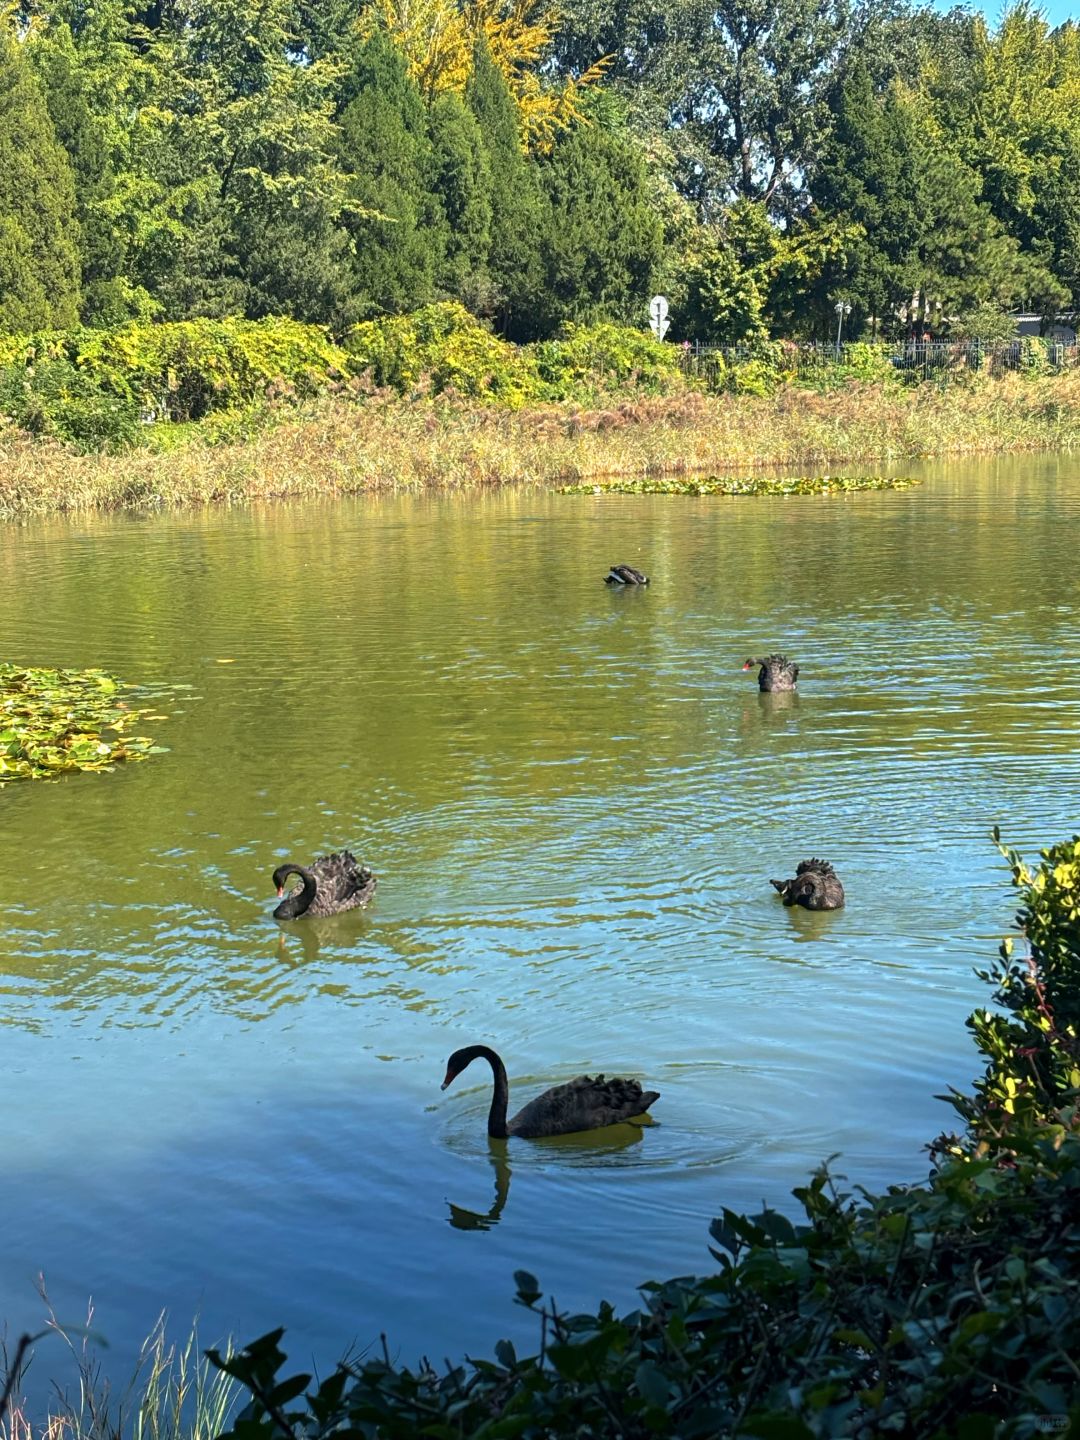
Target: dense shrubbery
{"x": 100, "y": 388}
{"x": 442, "y": 347}
{"x": 1032, "y": 1050}
{"x": 97, "y": 388}
{"x": 584, "y": 358}
{"x": 92, "y": 387}
{"x": 944, "y": 1309}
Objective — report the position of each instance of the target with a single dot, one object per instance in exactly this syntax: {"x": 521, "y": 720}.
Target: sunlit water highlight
{"x": 574, "y": 799}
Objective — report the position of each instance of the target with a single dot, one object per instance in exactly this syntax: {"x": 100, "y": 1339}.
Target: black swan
{"x": 777, "y": 672}
{"x": 625, "y": 575}
{"x": 587, "y": 1102}
{"x": 333, "y": 883}
{"x": 816, "y": 886}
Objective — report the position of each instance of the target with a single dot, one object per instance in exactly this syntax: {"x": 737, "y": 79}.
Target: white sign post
{"x": 658, "y": 316}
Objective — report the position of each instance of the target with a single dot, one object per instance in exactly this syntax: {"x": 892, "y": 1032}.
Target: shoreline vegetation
{"x": 935, "y": 1309}
{"x": 203, "y": 412}
{"x": 391, "y": 445}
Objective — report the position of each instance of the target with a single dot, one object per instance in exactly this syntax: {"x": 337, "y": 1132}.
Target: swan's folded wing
{"x": 584, "y": 1103}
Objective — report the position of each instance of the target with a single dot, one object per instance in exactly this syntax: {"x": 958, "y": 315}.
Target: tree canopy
{"x": 757, "y": 159}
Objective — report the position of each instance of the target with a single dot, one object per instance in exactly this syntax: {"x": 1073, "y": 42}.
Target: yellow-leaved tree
{"x": 438, "y": 38}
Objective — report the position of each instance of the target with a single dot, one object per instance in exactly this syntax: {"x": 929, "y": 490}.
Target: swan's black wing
{"x": 587, "y": 1102}
{"x": 625, "y": 575}
{"x": 343, "y": 883}
{"x": 822, "y": 866}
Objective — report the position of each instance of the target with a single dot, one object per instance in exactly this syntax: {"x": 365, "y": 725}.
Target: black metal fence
{"x": 925, "y": 358}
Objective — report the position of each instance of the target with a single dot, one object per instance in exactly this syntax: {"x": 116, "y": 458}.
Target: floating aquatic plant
{"x": 734, "y": 485}
{"x": 52, "y": 721}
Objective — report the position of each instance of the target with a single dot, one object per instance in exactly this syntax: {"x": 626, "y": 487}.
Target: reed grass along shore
{"x": 385, "y": 444}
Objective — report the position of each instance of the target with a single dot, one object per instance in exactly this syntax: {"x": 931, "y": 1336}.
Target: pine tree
{"x": 39, "y": 234}
{"x": 869, "y": 174}
{"x": 82, "y": 135}
{"x": 517, "y": 207}
{"x": 604, "y": 239}
{"x": 461, "y": 177}
{"x": 385, "y": 146}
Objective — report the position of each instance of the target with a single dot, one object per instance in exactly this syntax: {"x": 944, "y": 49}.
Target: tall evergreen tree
{"x": 604, "y": 237}
{"x": 384, "y": 145}
{"x": 82, "y": 134}
{"x": 39, "y": 234}
{"x": 238, "y": 150}
{"x": 869, "y": 173}
{"x": 517, "y": 204}
{"x": 462, "y": 181}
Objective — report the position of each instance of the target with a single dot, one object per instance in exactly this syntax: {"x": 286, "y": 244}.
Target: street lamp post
{"x": 842, "y": 308}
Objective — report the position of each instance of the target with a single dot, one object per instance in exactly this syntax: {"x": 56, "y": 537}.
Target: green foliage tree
{"x": 870, "y": 173}
{"x": 461, "y": 178}
{"x": 746, "y": 277}
{"x": 1021, "y": 133}
{"x": 928, "y": 245}
{"x": 602, "y": 246}
{"x": 82, "y": 134}
{"x": 741, "y": 85}
{"x": 517, "y": 203}
{"x": 39, "y": 233}
{"x": 401, "y": 241}
{"x": 239, "y": 129}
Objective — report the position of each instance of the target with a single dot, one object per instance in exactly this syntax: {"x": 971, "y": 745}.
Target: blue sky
{"x": 1055, "y": 10}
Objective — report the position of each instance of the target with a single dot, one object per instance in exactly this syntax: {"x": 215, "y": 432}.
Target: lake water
{"x": 574, "y": 800}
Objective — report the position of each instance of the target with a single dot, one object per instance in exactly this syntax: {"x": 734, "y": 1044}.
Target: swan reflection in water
{"x": 584, "y": 1146}
{"x": 462, "y": 1219}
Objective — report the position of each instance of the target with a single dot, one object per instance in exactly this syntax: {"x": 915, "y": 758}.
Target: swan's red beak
{"x": 449, "y": 1076}
{"x": 748, "y": 666}
{"x": 280, "y": 890}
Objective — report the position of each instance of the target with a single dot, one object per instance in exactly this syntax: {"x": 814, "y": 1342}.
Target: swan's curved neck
{"x": 294, "y": 905}
{"x": 500, "y": 1099}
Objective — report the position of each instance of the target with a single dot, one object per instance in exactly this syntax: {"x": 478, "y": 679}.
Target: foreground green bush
{"x": 1032, "y": 1050}
{"x": 940, "y": 1310}
{"x": 945, "y": 1309}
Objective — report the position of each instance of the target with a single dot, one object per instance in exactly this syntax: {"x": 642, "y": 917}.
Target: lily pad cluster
{"x": 53, "y": 721}
{"x": 741, "y": 485}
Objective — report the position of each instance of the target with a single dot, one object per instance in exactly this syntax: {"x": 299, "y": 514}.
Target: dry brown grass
{"x": 339, "y": 447}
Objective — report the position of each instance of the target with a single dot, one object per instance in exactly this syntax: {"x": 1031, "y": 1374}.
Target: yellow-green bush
{"x": 607, "y": 357}
{"x": 180, "y": 370}
{"x": 442, "y": 347}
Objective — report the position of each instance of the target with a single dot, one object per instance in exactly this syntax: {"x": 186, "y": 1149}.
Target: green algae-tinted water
{"x": 574, "y": 799}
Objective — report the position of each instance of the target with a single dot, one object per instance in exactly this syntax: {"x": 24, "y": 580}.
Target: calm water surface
{"x": 574, "y": 799}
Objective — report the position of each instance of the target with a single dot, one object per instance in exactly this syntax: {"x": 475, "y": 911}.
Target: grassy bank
{"x": 383, "y": 444}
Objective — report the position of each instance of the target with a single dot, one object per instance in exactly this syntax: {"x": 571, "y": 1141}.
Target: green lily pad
{"x": 744, "y": 485}
{"x": 54, "y": 721}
